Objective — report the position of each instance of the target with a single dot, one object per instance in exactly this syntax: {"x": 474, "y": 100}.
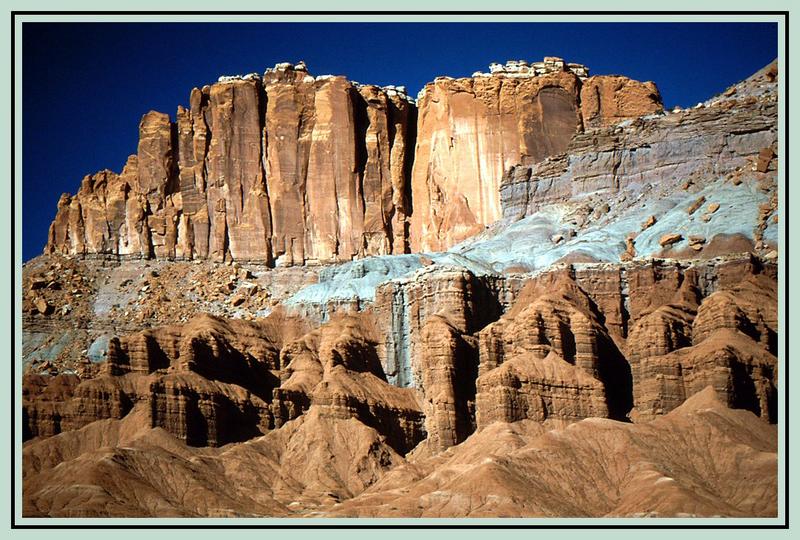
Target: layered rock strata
{"x": 550, "y": 356}
{"x": 215, "y": 381}
{"x": 467, "y": 302}
{"x": 208, "y": 382}
{"x": 652, "y": 469}
{"x": 445, "y": 353}
{"x": 449, "y": 366}
{"x": 726, "y": 340}
{"x": 442, "y": 382}
{"x": 337, "y": 369}
{"x": 319, "y": 466}
{"x": 666, "y": 151}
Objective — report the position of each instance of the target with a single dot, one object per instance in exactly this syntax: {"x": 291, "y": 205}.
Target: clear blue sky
{"x": 86, "y": 86}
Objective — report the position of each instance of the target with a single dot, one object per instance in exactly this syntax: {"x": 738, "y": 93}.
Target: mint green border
{"x": 5, "y": 501}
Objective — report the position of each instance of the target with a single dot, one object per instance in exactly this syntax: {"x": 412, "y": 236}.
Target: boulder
{"x": 670, "y": 239}
{"x": 43, "y": 306}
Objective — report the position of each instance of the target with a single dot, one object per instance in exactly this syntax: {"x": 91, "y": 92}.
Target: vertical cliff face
{"x": 405, "y": 305}
{"x": 237, "y": 199}
{"x": 284, "y": 168}
{"x": 290, "y": 169}
{"x": 608, "y": 99}
{"x": 448, "y": 368}
{"x": 472, "y": 130}
{"x": 551, "y": 344}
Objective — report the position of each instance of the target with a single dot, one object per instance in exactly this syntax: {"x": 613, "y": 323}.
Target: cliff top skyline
{"x": 108, "y": 75}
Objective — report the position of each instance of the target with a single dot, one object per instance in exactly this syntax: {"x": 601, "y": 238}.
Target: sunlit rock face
{"x": 472, "y": 130}
{"x": 284, "y": 169}
{"x": 290, "y": 169}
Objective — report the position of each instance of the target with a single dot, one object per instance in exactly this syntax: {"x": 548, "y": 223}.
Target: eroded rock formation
{"x": 472, "y": 130}
{"x": 727, "y": 341}
{"x": 213, "y": 381}
{"x": 287, "y": 169}
{"x": 208, "y": 382}
{"x": 337, "y": 368}
{"x": 550, "y": 356}
{"x": 652, "y": 159}
{"x": 465, "y": 382}
{"x": 449, "y": 364}
{"x": 284, "y": 168}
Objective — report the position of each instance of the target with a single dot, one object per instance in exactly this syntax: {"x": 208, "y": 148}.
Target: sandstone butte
{"x": 183, "y": 356}
{"x": 291, "y": 169}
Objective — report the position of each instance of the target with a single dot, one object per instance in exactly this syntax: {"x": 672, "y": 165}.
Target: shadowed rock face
{"x": 337, "y": 368}
{"x": 215, "y": 381}
{"x": 601, "y": 342}
{"x": 568, "y": 365}
{"x": 449, "y": 368}
{"x": 625, "y": 470}
{"x": 723, "y": 340}
{"x": 320, "y": 466}
{"x": 208, "y": 382}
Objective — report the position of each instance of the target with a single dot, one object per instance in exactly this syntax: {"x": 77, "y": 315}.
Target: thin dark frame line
{"x": 427, "y": 526}
{"x": 784, "y": 74}
{"x": 786, "y": 258}
{"x": 400, "y": 12}
{"x": 13, "y": 392}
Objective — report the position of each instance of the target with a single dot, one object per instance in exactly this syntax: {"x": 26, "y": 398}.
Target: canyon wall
{"x": 472, "y": 130}
{"x": 661, "y": 153}
{"x": 470, "y": 341}
{"x": 282, "y": 169}
{"x": 621, "y": 308}
{"x": 290, "y": 169}
{"x": 445, "y": 353}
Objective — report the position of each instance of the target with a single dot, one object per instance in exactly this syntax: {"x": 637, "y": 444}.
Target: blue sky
{"x": 86, "y": 86}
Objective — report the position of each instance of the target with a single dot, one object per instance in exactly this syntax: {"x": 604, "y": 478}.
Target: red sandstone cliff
{"x": 290, "y": 169}
{"x": 472, "y": 130}
{"x": 287, "y": 168}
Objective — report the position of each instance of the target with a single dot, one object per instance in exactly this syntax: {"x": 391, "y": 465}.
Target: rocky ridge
{"x": 499, "y": 472}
